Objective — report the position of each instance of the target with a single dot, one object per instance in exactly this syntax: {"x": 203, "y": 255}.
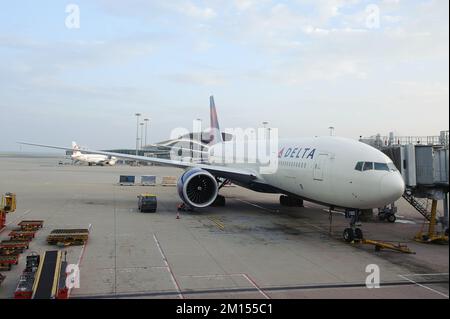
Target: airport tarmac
{"x": 251, "y": 248}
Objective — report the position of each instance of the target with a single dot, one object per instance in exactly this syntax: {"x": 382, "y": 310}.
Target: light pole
{"x": 331, "y": 128}
{"x": 137, "y": 132}
{"x": 197, "y": 134}
{"x": 146, "y": 124}
{"x": 266, "y": 131}
{"x": 142, "y": 135}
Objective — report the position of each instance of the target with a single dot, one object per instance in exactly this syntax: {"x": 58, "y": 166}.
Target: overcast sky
{"x": 302, "y": 65}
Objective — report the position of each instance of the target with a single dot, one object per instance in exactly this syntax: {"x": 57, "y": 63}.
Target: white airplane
{"x": 333, "y": 171}
{"x": 92, "y": 159}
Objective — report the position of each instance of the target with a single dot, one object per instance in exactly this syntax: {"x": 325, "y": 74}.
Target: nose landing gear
{"x": 353, "y": 232}
{"x": 354, "y": 235}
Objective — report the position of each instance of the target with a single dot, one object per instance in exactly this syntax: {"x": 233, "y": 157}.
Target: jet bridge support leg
{"x": 432, "y": 236}
{"x": 446, "y": 213}
{"x": 330, "y": 218}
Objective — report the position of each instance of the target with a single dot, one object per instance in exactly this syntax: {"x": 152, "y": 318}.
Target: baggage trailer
{"x": 8, "y": 247}
{"x": 31, "y": 225}
{"x": 6, "y": 261}
{"x": 68, "y": 237}
{"x": 21, "y": 235}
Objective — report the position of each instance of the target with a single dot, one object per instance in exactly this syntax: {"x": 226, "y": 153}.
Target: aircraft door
{"x": 319, "y": 167}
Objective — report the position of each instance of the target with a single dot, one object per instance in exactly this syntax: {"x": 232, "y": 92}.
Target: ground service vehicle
{"x": 147, "y": 203}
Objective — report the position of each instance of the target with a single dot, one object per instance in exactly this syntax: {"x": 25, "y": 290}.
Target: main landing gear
{"x": 353, "y": 232}
{"x": 291, "y": 201}
{"x": 219, "y": 201}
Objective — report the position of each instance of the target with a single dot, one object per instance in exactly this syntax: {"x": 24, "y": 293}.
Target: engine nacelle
{"x": 197, "y": 188}
{"x": 111, "y": 161}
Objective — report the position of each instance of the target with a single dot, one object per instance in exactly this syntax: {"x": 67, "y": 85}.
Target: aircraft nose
{"x": 392, "y": 187}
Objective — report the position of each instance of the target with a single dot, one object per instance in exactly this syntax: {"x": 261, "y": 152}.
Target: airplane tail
{"x": 215, "y": 134}
{"x": 75, "y": 148}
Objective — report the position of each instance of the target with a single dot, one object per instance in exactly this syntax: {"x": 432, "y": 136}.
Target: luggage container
{"x": 169, "y": 181}
{"x": 127, "y": 180}
{"x": 148, "y": 180}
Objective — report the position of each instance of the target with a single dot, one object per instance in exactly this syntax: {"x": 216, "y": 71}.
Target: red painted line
{"x": 80, "y": 258}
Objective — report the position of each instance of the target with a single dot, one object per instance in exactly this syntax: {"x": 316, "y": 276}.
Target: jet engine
{"x": 197, "y": 188}
{"x": 112, "y": 161}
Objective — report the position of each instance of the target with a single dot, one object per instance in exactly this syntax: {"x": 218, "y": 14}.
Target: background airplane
{"x": 91, "y": 159}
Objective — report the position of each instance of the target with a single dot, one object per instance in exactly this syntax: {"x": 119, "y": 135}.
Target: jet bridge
{"x": 424, "y": 165}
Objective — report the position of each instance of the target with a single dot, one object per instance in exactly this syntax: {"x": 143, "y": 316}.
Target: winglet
{"x": 215, "y": 134}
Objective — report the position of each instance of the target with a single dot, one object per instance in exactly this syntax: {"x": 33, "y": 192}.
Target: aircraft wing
{"x": 237, "y": 174}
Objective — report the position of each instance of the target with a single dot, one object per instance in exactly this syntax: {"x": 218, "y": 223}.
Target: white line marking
{"x": 405, "y": 221}
{"x": 172, "y": 276}
{"x": 256, "y": 286}
{"x": 251, "y": 281}
{"x": 436, "y": 274}
{"x": 260, "y": 207}
{"x": 316, "y": 227}
{"x": 423, "y": 286}
{"x": 333, "y": 211}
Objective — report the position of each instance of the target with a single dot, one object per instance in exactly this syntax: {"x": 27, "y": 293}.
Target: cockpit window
{"x": 381, "y": 167}
{"x": 367, "y": 166}
{"x": 392, "y": 166}
{"x": 359, "y": 166}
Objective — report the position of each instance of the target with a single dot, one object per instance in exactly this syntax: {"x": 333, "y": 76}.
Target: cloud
{"x": 158, "y": 9}
{"x": 194, "y": 11}
{"x": 40, "y": 60}
{"x": 242, "y": 5}
{"x": 199, "y": 78}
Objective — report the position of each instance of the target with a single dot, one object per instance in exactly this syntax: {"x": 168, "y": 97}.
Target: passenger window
{"x": 359, "y": 166}
{"x": 381, "y": 167}
{"x": 367, "y": 166}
